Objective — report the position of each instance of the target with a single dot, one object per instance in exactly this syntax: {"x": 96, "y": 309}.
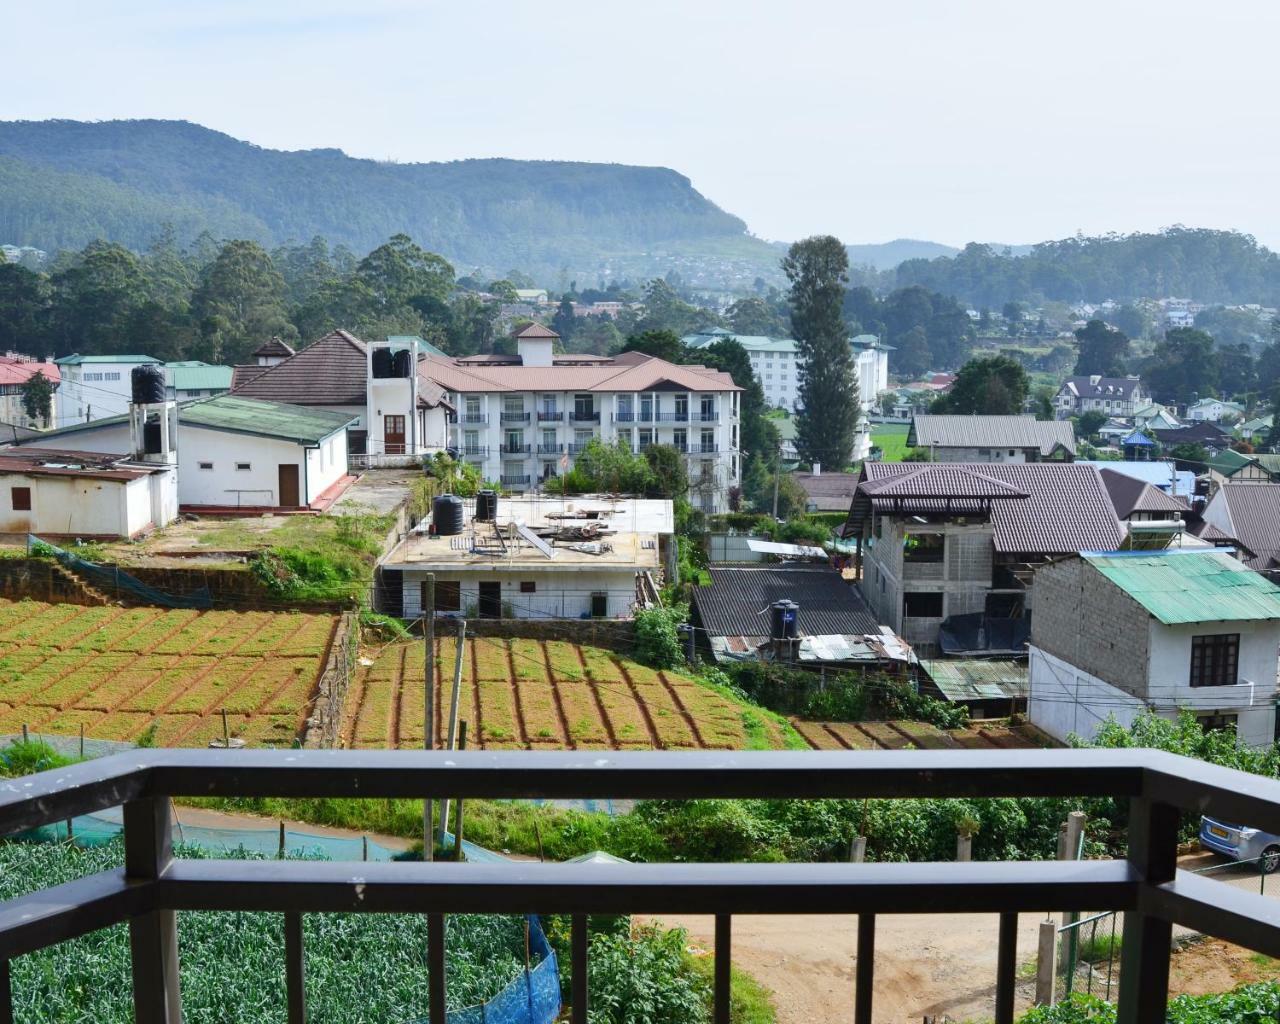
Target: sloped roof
{"x": 273, "y": 347}
{"x": 68, "y": 462}
{"x": 1129, "y": 495}
{"x": 1191, "y": 585}
{"x": 333, "y": 371}
{"x": 737, "y": 601}
{"x": 1200, "y": 432}
{"x": 1253, "y": 511}
{"x": 536, "y": 330}
{"x": 829, "y": 492}
{"x": 19, "y": 371}
{"x": 1066, "y": 509}
{"x": 242, "y": 415}
{"x": 944, "y": 480}
{"x": 194, "y": 375}
{"x": 1229, "y": 462}
{"x": 1139, "y": 440}
{"x": 928, "y": 431}
{"x": 76, "y": 359}
{"x": 1104, "y": 387}
{"x": 630, "y": 371}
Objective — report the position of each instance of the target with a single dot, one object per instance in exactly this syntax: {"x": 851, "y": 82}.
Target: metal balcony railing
{"x": 706, "y": 417}
{"x": 624, "y": 417}
{"x": 701, "y": 449}
{"x": 576, "y": 448}
{"x": 672, "y": 417}
{"x": 1146, "y": 886}
{"x": 516, "y": 449}
{"x": 514, "y": 480}
{"x": 550, "y": 415}
{"x": 514, "y": 417}
{"x": 550, "y": 449}
{"x": 580, "y": 416}
{"x": 473, "y": 451}
{"x": 468, "y": 417}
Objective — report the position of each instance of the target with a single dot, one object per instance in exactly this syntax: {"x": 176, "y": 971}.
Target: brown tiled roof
{"x": 536, "y": 330}
{"x": 1253, "y": 510}
{"x": 1129, "y": 495}
{"x": 945, "y": 480}
{"x": 244, "y": 372}
{"x": 616, "y": 374}
{"x": 1066, "y": 509}
{"x": 333, "y": 371}
{"x": 737, "y": 602}
{"x": 828, "y": 492}
{"x": 273, "y": 347}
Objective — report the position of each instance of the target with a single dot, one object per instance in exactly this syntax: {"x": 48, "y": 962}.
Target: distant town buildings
{"x": 1114, "y": 396}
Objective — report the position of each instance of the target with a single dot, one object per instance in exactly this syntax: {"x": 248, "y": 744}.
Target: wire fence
{"x": 1088, "y": 949}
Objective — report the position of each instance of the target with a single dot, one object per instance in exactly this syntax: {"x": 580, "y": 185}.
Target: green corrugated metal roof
{"x": 301, "y": 423}
{"x": 1191, "y": 586}
{"x": 423, "y": 344}
{"x": 966, "y": 679}
{"x": 77, "y": 359}
{"x": 1229, "y": 461}
{"x": 197, "y": 376}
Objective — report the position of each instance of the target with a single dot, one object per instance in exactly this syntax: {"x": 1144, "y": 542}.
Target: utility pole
{"x": 453, "y": 716}
{"x": 429, "y": 696}
{"x": 777, "y": 468}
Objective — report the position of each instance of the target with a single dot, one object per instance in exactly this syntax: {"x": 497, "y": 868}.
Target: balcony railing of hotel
{"x": 550, "y": 415}
{"x": 701, "y": 449}
{"x": 550, "y": 449}
{"x": 153, "y": 886}
{"x": 706, "y": 417}
{"x": 576, "y": 447}
{"x": 514, "y": 417}
{"x": 468, "y": 417}
{"x": 672, "y": 417}
{"x": 516, "y": 449}
{"x": 511, "y": 480}
{"x": 474, "y": 451}
{"x": 580, "y": 416}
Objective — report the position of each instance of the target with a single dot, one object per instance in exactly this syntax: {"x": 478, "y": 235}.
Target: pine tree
{"x": 829, "y": 408}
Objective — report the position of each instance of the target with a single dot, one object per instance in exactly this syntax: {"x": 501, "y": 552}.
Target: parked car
{"x": 1241, "y": 843}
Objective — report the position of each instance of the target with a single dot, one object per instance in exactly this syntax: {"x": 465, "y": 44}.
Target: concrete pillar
{"x": 964, "y": 847}
{"x": 1046, "y": 962}
{"x": 857, "y": 849}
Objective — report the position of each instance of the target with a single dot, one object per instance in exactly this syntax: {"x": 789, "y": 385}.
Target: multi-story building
{"x": 777, "y": 364}
{"x": 1114, "y": 396}
{"x": 521, "y": 419}
{"x": 15, "y": 370}
{"x": 94, "y": 387}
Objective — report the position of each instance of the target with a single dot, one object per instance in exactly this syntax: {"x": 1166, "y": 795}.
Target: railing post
{"x": 6, "y": 994}
{"x": 153, "y": 936}
{"x": 864, "y": 969}
{"x": 435, "y": 967}
{"x": 1144, "y": 954}
{"x": 580, "y": 993}
{"x": 295, "y": 969}
{"x": 1006, "y": 967}
{"x": 723, "y": 975}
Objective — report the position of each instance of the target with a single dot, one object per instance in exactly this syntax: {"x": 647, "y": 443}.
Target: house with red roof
{"x": 15, "y": 370}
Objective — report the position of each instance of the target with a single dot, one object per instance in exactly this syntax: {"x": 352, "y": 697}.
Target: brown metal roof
{"x": 642, "y": 374}
{"x": 1129, "y": 495}
{"x": 1066, "y": 509}
{"x": 1045, "y": 436}
{"x": 536, "y": 330}
{"x": 273, "y": 347}
{"x": 332, "y": 371}
{"x": 66, "y": 462}
{"x": 1253, "y": 510}
{"x": 828, "y": 492}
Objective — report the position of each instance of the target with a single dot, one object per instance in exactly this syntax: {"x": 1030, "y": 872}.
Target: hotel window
{"x": 1214, "y": 659}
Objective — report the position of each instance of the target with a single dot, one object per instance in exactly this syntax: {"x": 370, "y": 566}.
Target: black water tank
{"x": 784, "y": 620}
{"x": 148, "y": 385}
{"x": 400, "y": 363}
{"x": 446, "y": 514}
{"x": 151, "y": 441}
{"x": 381, "y": 362}
{"x": 486, "y": 506}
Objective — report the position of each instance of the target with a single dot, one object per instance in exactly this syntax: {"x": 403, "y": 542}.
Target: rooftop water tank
{"x": 784, "y": 619}
{"x": 148, "y": 385}
{"x": 446, "y": 515}
{"x": 486, "y": 506}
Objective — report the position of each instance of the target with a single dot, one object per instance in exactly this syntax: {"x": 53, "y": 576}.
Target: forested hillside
{"x": 1208, "y": 266}
{"x": 66, "y": 183}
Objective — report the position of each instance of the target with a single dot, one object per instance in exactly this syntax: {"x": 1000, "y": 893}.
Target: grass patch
{"x": 891, "y": 439}
{"x": 749, "y": 1001}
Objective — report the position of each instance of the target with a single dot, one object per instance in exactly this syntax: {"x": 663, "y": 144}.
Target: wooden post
{"x": 280, "y": 852}
{"x": 429, "y": 697}
{"x": 1046, "y": 962}
{"x": 453, "y": 718}
{"x": 226, "y": 731}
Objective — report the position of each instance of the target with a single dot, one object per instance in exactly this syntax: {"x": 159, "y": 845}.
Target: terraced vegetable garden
{"x": 117, "y": 672}
{"x": 899, "y": 735}
{"x": 531, "y": 695}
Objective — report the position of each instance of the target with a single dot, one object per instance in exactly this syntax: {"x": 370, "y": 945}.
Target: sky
{"x": 934, "y": 119}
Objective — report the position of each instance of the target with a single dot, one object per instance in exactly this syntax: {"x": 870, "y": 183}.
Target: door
{"x": 289, "y": 494}
{"x": 490, "y": 600}
{"x": 393, "y": 434}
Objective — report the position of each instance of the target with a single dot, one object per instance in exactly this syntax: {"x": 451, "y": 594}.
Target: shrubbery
{"x": 657, "y": 642}
{"x": 1248, "y": 1004}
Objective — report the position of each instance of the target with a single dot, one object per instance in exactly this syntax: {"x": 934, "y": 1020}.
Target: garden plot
{"x": 126, "y": 674}
{"x": 531, "y": 695}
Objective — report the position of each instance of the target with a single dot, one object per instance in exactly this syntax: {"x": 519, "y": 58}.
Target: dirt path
{"x": 925, "y": 964}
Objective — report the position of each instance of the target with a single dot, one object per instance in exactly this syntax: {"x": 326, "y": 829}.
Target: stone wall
{"x": 42, "y": 579}
{"x": 324, "y": 725}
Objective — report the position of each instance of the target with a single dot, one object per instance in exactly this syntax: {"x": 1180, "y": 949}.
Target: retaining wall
{"x": 42, "y": 579}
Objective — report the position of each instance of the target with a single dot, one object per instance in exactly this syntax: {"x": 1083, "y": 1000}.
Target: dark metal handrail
{"x": 153, "y": 886}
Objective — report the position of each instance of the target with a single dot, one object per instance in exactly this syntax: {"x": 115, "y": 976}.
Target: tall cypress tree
{"x": 829, "y": 409}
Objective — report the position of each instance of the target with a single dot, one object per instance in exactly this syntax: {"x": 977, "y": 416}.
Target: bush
{"x": 657, "y": 641}
{"x": 1248, "y": 1004}
{"x": 647, "y": 979}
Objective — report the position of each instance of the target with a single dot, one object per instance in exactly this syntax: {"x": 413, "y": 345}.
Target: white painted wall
{"x": 1065, "y": 700}
{"x": 72, "y": 506}
{"x": 559, "y": 595}
{"x": 78, "y": 398}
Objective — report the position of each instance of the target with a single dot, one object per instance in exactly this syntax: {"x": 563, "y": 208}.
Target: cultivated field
{"x": 531, "y": 695}
{"x": 901, "y": 735}
{"x": 119, "y": 671}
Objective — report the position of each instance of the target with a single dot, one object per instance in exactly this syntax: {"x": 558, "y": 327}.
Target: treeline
{"x": 218, "y": 301}
{"x": 1202, "y": 264}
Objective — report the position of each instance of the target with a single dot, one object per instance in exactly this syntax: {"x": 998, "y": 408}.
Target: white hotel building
{"x": 521, "y": 419}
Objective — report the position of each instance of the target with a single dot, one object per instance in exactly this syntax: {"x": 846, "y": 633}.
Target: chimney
{"x": 817, "y": 469}
{"x": 535, "y": 351}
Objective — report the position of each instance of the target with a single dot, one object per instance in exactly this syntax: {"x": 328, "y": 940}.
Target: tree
{"x": 754, "y": 316}
{"x": 37, "y": 397}
{"x": 565, "y": 322}
{"x": 399, "y": 271}
{"x": 828, "y": 391}
{"x": 24, "y": 309}
{"x": 663, "y": 344}
{"x": 1130, "y": 320}
{"x": 1042, "y": 401}
{"x": 670, "y": 475}
{"x": 1102, "y": 350}
{"x": 913, "y": 357}
{"x": 1090, "y": 422}
{"x": 240, "y": 303}
{"x": 1237, "y": 370}
{"x": 1013, "y": 313}
{"x": 992, "y": 386}
{"x": 503, "y": 290}
{"x": 93, "y": 297}
{"x": 1183, "y": 367}
{"x": 664, "y": 310}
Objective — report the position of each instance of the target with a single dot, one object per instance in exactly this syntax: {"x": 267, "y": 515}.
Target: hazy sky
{"x": 1009, "y": 121}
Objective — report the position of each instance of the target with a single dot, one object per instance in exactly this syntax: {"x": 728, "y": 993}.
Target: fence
{"x": 1088, "y": 950}
{"x": 326, "y": 719}
{"x": 117, "y": 580}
